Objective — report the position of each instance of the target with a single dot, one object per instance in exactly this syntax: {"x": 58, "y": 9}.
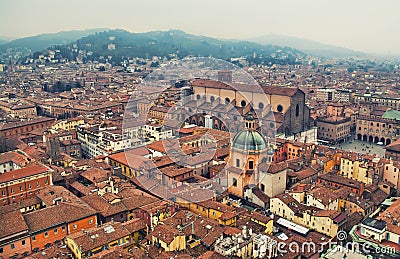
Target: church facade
{"x": 279, "y": 109}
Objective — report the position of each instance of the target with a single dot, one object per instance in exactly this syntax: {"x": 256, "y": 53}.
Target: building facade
{"x": 334, "y": 129}
{"x": 22, "y": 184}
{"x": 283, "y": 109}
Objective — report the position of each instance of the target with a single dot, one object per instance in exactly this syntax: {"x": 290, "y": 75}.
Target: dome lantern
{"x": 249, "y": 139}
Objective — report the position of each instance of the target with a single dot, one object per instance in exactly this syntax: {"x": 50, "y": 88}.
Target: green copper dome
{"x": 249, "y": 140}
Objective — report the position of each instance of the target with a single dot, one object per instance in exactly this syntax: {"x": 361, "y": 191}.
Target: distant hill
{"x": 43, "y": 41}
{"x": 309, "y": 46}
{"x": 174, "y": 43}
{"x": 3, "y": 40}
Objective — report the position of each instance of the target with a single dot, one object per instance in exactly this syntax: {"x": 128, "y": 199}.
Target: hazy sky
{"x": 365, "y": 25}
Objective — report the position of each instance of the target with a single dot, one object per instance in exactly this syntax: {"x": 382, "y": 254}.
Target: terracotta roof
{"x": 81, "y": 188}
{"x": 261, "y": 195}
{"x": 110, "y": 197}
{"x": 332, "y": 214}
{"x": 50, "y": 217}
{"x": 378, "y": 196}
{"x": 273, "y": 167}
{"x": 120, "y": 253}
{"x": 273, "y": 90}
{"x": 51, "y": 252}
{"x": 24, "y": 123}
{"x": 210, "y": 204}
{"x": 174, "y": 171}
{"x": 211, "y": 255}
{"x": 165, "y": 233}
{"x": 206, "y": 229}
{"x": 245, "y": 220}
{"x": 139, "y": 151}
{"x": 231, "y": 231}
{"x": 280, "y": 90}
{"x": 211, "y": 84}
{"x": 21, "y": 204}
{"x": 395, "y": 146}
{"x": 14, "y": 156}
{"x": 129, "y": 159}
{"x": 22, "y": 173}
{"x": 134, "y": 225}
{"x": 126, "y": 204}
{"x": 341, "y": 180}
{"x": 343, "y": 192}
{"x": 12, "y": 223}
{"x": 97, "y": 237}
{"x": 49, "y": 194}
{"x": 260, "y": 217}
{"x": 392, "y": 217}
{"x": 292, "y": 203}
{"x": 324, "y": 195}
{"x": 227, "y": 215}
{"x": 304, "y": 174}
{"x": 187, "y": 130}
{"x": 96, "y": 175}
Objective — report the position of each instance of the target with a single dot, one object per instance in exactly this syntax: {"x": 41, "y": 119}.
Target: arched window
{"x": 212, "y": 99}
{"x": 198, "y": 96}
{"x": 261, "y": 106}
{"x": 243, "y": 103}
{"x": 279, "y": 108}
{"x": 227, "y": 100}
{"x": 297, "y": 110}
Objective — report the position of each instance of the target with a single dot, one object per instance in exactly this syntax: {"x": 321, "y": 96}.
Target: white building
{"x": 264, "y": 246}
{"x": 324, "y": 94}
{"x": 329, "y": 94}
{"x": 97, "y": 140}
{"x": 239, "y": 245}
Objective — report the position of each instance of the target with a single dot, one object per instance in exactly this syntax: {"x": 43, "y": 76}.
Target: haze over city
{"x": 368, "y": 26}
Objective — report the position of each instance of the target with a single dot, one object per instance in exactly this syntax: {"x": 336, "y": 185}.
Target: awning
{"x": 293, "y": 226}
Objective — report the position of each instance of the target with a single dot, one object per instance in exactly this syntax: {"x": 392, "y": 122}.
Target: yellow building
{"x": 329, "y": 164}
{"x": 67, "y": 161}
{"x": 185, "y": 229}
{"x": 391, "y": 173}
{"x": 92, "y": 241}
{"x": 323, "y": 198}
{"x": 263, "y": 220}
{"x": 354, "y": 166}
{"x": 69, "y": 124}
{"x": 352, "y": 204}
{"x": 285, "y": 206}
{"x": 224, "y": 214}
{"x": 168, "y": 238}
{"x": 323, "y": 221}
{"x": 130, "y": 163}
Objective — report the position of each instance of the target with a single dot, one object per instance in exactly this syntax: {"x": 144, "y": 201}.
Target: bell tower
{"x": 248, "y": 149}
